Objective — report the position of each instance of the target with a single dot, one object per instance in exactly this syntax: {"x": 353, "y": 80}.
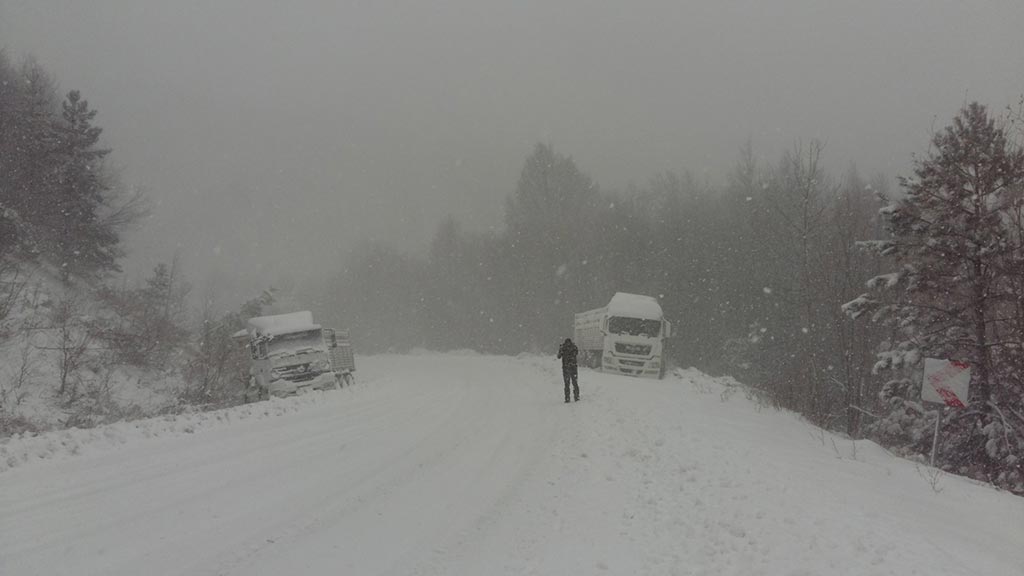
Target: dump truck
{"x": 290, "y": 354}
{"x": 625, "y": 337}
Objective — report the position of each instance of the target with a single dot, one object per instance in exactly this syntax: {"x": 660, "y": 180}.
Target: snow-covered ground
{"x": 465, "y": 464}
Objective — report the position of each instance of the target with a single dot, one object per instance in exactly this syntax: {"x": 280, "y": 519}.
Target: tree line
{"x": 823, "y": 292}
{"x": 63, "y": 215}
{"x": 763, "y": 277}
{"x": 60, "y": 203}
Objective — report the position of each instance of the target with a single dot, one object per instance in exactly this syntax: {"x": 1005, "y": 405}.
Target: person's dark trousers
{"x": 571, "y": 374}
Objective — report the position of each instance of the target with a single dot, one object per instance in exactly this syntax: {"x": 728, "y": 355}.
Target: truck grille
{"x": 634, "y": 349}
{"x": 303, "y": 377}
{"x": 297, "y": 373}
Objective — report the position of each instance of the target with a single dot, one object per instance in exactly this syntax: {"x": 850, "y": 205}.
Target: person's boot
{"x": 566, "y": 399}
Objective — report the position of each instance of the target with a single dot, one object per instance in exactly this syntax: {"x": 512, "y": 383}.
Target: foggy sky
{"x": 273, "y": 136}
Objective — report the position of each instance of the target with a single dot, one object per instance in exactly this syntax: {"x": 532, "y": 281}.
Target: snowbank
{"x": 26, "y": 448}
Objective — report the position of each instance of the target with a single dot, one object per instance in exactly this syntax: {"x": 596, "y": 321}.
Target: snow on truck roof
{"x": 283, "y": 323}
{"x": 634, "y": 306}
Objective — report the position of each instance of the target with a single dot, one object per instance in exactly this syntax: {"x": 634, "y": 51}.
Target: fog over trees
{"x": 759, "y": 276}
{"x": 817, "y": 283}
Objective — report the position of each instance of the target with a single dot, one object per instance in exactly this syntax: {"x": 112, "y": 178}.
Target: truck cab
{"x": 290, "y": 354}
{"x": 625, "y": 337}
{"x": 633, "y": 346}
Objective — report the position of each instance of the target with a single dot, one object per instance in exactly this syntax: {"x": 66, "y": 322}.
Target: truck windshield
{"x": 634, "y": 326}
{"x": 296, "y": 343}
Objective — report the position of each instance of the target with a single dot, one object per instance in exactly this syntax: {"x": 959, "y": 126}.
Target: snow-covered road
{"x": 465, "y": 464}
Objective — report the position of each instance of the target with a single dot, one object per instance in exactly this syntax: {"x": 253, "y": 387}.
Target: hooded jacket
{"x": 568, "y": 352}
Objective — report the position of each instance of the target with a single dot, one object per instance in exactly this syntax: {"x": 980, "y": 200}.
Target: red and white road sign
{"x": 946, "y": 381}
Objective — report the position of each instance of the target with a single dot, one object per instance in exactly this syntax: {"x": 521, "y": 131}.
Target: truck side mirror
{"x": 668, "y": 329}
{"x": 258, "y": 349}
{"x": 330, "y": 338}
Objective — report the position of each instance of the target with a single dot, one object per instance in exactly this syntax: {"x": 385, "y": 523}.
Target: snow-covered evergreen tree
{"x": 952, "y": 295}
{"x": 83, "y": 243}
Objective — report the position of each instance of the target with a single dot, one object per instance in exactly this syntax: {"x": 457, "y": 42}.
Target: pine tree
{"x": 8, "y": 218}
{"x": 949, "y": 235}
{"x": 548, "y": 220}
{"x": 952, "y": 295}
{"x": 83, "y": 243}
{"x": 27, "y": 140}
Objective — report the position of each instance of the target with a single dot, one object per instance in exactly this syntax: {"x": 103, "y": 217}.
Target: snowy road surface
{"x": 463, "y": 464}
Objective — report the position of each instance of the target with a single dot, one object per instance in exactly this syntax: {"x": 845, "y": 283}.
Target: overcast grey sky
{"x": 273, "y": 135}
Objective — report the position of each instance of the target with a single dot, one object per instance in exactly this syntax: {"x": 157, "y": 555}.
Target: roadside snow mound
{"x": 25, "y": 448}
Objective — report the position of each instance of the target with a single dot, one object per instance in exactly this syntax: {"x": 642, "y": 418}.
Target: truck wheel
{"x": 349, "y": 379}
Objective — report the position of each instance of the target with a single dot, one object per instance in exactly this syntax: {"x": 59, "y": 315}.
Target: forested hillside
{"x": 762, "y": 277}
{"x": 80, "y": 346}
{"x": 823, "y": 292}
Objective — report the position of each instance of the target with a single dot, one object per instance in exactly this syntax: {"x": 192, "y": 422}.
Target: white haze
{"x": 274, "y": 136}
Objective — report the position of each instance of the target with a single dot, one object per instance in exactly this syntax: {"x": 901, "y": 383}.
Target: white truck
{"x": 625, "y": 337}
{"x": 289, "y": 355}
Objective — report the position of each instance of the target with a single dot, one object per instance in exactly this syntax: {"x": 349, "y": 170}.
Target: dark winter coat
{"x": 568, "y": 352}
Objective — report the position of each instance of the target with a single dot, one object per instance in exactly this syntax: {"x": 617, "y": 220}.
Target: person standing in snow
{"x": 568, "y": 352}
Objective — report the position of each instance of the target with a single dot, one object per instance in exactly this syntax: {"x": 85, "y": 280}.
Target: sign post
{"x": 946, "y": 382}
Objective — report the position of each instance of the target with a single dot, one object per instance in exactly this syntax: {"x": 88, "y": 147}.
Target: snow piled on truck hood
{"x": 634, "y": 306}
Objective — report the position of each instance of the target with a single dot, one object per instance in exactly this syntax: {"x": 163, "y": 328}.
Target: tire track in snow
{"x": 448, "y": 476}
